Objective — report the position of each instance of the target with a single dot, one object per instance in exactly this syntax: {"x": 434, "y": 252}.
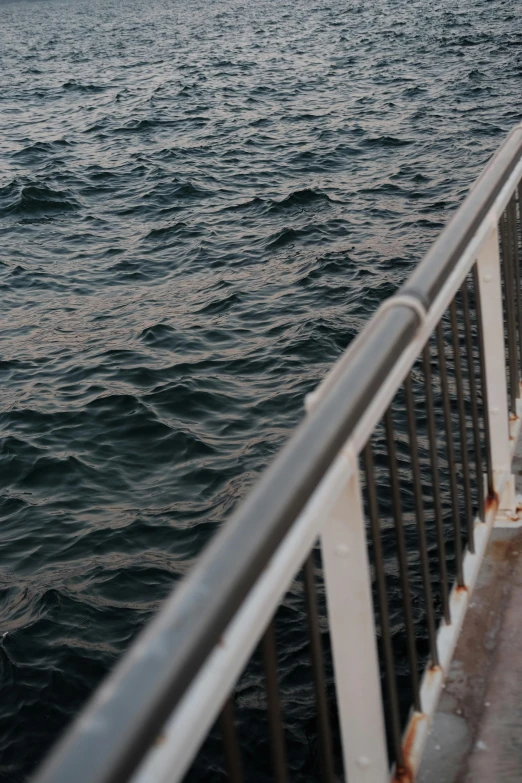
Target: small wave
{"x": 221, "y": 305}
{"x": 100, "y": 127}
{"x": 326, "y": 159}
{"x": 284, "y": 237}
{"x": 303, "y": 197}
{"x": 261, "y": 122}
{"x": 309, "y": 234}
{"x": 98, "y": 174}
{"x": 175, "y": 229}
{"x": 332, "y": 265}
{"x": 386, "y": 141}
{"x": 297, "y": 201}
{"x": 26, "y": 200}
{"x": 137, "y": 126}
{"x": 255, "y": 204}
{"x": 158, "y": 335}
{"x": 73, "y": 85}
{"x": 186, "y": 190}
{"x": 468, "y": 40}
{"x": 145, "y": 125}
{"x": 384, "y": 187}
{"x": 167, "y": 153}
{"x": 414, "y": 92}
{"x": 224, "y": 64}
{"x": 41, "y": 149}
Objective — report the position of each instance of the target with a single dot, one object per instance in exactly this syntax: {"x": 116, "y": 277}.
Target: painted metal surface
{"x": 348, "y": 591}
{"x": 488, "y": 264}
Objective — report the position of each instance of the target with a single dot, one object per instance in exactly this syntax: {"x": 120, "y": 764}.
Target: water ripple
{"x": 200, "y": 204}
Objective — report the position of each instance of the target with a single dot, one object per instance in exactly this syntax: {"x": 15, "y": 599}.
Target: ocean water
{"x": 200, "y": 205}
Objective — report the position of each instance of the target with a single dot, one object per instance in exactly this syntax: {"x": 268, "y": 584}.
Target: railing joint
{"x": 406, "y": 300}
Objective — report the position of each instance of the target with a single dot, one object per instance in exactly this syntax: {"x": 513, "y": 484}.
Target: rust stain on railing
{"x": 404, "y": 772}
{"x": 491, "y": 503}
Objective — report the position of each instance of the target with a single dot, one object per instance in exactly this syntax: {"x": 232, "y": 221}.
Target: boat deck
{"x": 477, "y": 730}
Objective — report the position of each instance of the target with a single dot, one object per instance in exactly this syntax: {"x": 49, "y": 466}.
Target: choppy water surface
{"x": 200, "y": 204}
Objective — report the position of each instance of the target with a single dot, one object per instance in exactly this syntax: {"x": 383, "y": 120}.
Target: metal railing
{"x": 426, "y": 400}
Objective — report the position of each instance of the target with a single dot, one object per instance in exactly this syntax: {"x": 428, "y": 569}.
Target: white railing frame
{"x": 334, "y": 515}
{"x": 350, "y": 612}
{"x": 490, "y": 288}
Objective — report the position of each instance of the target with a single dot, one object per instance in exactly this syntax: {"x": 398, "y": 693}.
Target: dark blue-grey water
{"x": 200, "y": 204}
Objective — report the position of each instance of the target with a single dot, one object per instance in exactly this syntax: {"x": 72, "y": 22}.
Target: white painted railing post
{"x": 353, "y": 637}
{"x": 490, "y": 291}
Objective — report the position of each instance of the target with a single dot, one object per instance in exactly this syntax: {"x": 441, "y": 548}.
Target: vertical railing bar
{"x": 516, "y": 271}
{"x": 419, "y": 517}
{"x": 464, "y": 459}
{"x": 483, "y": 384}
{"x": 490, "y": 286}
{"x": 473, "y": 398}
{"x": 353, "y": 636}
{"x": 232, "y": 753}
{"x": 316, "y": 654}
{"x": 402, "y": 558}
{"x": 451, "y": 453}
{"x": 439, "y": 524}
{"x": 510, "y": 314}
{"x": 518, "y": 244}
{"x": 275, "y": 719}
{"x": 389, "y": 667}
